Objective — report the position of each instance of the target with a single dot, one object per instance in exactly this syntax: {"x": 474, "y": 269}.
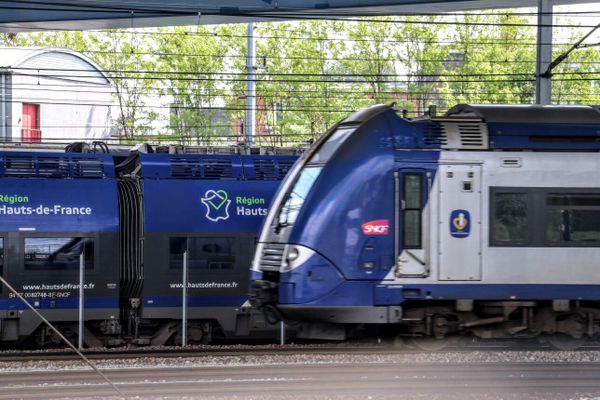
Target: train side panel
{"x": 211, "y": 216}
{"x": 55, "y": 208}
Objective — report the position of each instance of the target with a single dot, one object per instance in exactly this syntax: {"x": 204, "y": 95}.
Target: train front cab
{"x": 493, "y": 242}
{"x": 320, "y": 250}
{"x": 55, "y": 208}
{"x": 208, "y": 208}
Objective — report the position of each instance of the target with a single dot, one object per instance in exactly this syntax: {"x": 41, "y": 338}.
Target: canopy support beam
{"x": 543, "y": 83}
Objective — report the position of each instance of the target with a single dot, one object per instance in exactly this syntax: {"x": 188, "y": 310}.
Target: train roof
{"x": 547, "y": 114}
{"x": 512, "y": 127}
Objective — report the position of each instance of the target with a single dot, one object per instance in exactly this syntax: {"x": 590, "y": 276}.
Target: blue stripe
{"x": 194, "y": 301}
{"x": 52, "y": 304}
{"x": 504, "y": 291}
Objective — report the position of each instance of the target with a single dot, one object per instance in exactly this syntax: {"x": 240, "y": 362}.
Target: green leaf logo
{"x": 224, "y": 196}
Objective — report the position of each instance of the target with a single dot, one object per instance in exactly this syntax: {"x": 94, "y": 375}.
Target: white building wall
{"x": 68, "y": 110}
{"x": 75, "y": 98}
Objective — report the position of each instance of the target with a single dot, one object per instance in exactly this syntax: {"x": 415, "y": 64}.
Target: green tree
{"x": 494, "y": 61}
{"x": 425, "y": 56}
{"x": 297, "y": 83}
{"x": 194, "y": 66}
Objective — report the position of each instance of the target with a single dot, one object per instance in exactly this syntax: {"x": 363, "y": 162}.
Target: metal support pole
{"x": 184, "y": 301}
{"x": 251, "y": 89}
{"x": 81, "y": 279}
{"x": 543, "y": 84}
{"x": 282, "y": 333}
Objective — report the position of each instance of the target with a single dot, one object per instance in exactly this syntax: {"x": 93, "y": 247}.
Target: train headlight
{"x": 295, "y": 256}
{"x": 369, "y": 265}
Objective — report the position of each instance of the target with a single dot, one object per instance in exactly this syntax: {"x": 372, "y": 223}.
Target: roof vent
{"x": 49, "y": 166}
{"x": 202, "y": 168}
{"x": 435, "y": 135}
{"x": 456, "y": 134}
{"x": 87, "y": 167}
{"x": 271, "y": 169}
{"x": 218, "y": 168}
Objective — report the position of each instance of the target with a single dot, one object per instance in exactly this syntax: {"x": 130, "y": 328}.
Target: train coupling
{"x": 263, "y": 293}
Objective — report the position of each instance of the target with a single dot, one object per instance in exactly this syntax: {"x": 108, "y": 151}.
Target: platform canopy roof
{"x": 25, "y": 15}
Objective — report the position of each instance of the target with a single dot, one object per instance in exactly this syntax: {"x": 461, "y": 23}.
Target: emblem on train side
{"x": 460, "y": 223}
{"x": 217, "y": 205}
{"x": 377, "y": 227}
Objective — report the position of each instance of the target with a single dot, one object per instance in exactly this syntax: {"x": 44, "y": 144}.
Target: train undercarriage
{"x": 563, "y": 324}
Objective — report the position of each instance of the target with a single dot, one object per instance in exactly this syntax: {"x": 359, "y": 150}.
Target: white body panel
{"x": 501, "y": 264}
{"x": 459, "y": 188}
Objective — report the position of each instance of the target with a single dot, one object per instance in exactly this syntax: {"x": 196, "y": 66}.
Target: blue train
{"x": 133, "y": 217}
{"x": 484, "y": 221}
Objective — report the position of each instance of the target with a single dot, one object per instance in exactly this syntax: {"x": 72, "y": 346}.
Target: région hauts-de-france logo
{"x": 217, "y": 205}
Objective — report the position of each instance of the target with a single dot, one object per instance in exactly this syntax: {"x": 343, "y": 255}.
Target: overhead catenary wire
{"x": 338, "y": 80}
{"x": 316, "y": 87}
{"x": 162, "y": 74}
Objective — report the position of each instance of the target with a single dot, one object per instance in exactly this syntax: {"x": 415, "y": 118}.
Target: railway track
{"x": 464, "y": 345}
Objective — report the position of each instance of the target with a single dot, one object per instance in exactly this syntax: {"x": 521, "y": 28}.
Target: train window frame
{"x": 89, "y": 268}
{"x": 528, "y": 239}
{"x": 566, "y": 215}
{"x": 407, "y": 207}
{"x": 234, "y": 251}
{"x": 538, "y": 210}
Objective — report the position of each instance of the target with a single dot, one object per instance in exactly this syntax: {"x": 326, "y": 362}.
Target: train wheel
{"x": 561, "y": 341}
{"x": 431, "y": 343}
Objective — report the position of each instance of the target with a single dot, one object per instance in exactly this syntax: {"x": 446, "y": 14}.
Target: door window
{"x": 412, "y": 211}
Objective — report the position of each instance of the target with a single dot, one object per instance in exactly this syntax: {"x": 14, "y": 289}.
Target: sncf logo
{"x": 377, "y": 227}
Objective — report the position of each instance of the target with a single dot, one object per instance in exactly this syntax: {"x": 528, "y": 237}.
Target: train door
{"x": 459, "y": 233}
{"x": 412, "y": 215}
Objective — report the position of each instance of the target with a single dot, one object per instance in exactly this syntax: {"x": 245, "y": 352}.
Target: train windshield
{"x": 291, "y": 208}
{"x": 333, "y": 143}
{"x": 310, "y": 173}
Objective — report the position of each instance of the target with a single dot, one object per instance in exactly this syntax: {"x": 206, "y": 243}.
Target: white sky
{"x": 592, "y": 18}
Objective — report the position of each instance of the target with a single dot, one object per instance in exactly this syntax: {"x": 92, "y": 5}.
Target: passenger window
{"x": 213, "y": 254}
{"x": 412, "y": 210}
{"x": 510, "y": 223}
{"x": 573, "y": 219}
{"x": 58, "y": 254}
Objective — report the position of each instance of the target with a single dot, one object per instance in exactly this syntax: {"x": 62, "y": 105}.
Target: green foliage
{"x": 494, "y": 63}
{"x": 195, "y": 80}
{"x": 311, "y": 74}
